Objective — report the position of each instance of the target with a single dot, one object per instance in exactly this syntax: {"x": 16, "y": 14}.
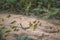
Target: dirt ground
{"x": 47, "y": 30}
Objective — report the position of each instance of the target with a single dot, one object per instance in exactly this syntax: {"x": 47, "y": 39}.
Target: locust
{"x": 5, "y": 34}
{"x": 14, "y": 27}
{"x": 23, "y": 27}
{"x": 7, "y": 31}
{"x": 34, "y": 21}
{"x": 9, "y": 16}
{"x": 1, "y": 24}
{"x": 13, "y": 22}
